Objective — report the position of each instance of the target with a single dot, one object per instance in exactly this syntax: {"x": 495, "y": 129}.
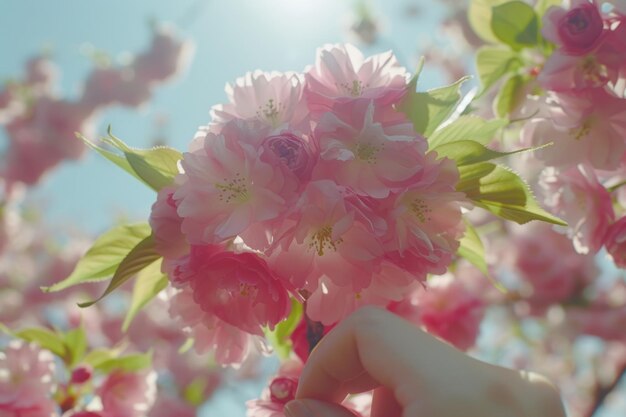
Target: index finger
{"x": 370, "y": 348}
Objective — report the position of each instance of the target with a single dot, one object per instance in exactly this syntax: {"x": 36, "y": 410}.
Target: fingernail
{"x": 297, "y": 408}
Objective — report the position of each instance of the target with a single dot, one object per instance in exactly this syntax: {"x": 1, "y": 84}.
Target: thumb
{"x": 315, "y": 408}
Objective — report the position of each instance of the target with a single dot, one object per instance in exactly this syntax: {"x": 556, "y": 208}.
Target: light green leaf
{"x": 97, "y": 357}
{"x": 102, "y": 259}
{"x": 76, "y": 345}
{"x": 516, "y": 24}
{"x": 279, "y": 337}
{"x": 467, "y": 128}
{"x": 149, "y": 282}
{"x": 194, "y": 392}
{"x": 44, "y": 338}
{"x": 502, "y": 192}
{"x": 472, "y": 249}
{"x": 119, "y": 160}
{"x": 509, "y": 95}
{"x": 157, "y": 167}
{"x": 467, "y": 152}
{"x": 493, "y": 62}
{"x": 479, "y": 17}
{"x": 129, "y": 363}
{"x": 427, "y": 110}
{"x": 142, "y": 255}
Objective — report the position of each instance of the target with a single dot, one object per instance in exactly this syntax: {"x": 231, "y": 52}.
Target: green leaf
{"x": 149, "y": 282}
{"x": 97, "y": 357}
{"x": 129, "y": 363}
{"x": 472, "y": 249}
{"x": 479, "y": 17}
{"x": 76, "y": 345}
{"x": 509, "y": 95}
{"x": 44, "y": 338}
{"x": 427, "y": 110}
{"x": 103, "y": 258}
{"x": 467, "y": 128}
{"x": 467, "y": 152}
{"x": 516, "y": 24}
{"x": 279, "y": 337}
{"x": 119, "y": 160}
{"x": 142, "y": 255}
{"x": 157, "y": 167}
{"x": 502, "y": 192}
{"x": 493, "y": 62}
{"x": 194, "y": 391}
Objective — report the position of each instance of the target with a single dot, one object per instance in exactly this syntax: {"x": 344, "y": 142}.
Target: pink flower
{"x": 449, "y": 310}
{"x": 549, "y": 269}
{"x": 281, "y": 390}
{"x": 41, "y": 74}
{"x": 615, "y": 242}
{"x": 327, "y": 236}
{"x": 330, "y": 303}
{"x": 109, "y": 86}
{"x": 229, "y": 344}
{"x": 166, "y": 226}
{"x": 239, "y": 288}
{"x": 166, "y": 57}
{"x": 576, "y": 196}
{"x": 605, "y": 317}
{"x": 301, "y": 340}
{"x": 585, "y": 127}
{"x": 26, "y": 381}
{"x": 169, "y": 406}
{"x": 577, "y": 29}
{"x": 427, "y": 222}
{"x": 365, "y": 155}
{"x": 341, "y": 73}
{"x": 295, "y": 153}
{"x": 128, "y": 394}
{"x": 274, "y": 99}
{"x": 227, "y": 187}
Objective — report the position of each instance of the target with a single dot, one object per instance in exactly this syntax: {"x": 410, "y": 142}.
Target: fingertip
{"x": 315, "y": 408}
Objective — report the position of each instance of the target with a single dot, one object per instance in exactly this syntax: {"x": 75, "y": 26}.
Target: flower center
{"x": 420, "y": 209}
{"x": 234, "y": 190}
{"x": 582, "y": 131}
{"x": 246, "y": 289}
{"x": 283, "y": 390}
{"x": 323, "y": 240}
{"x": 577, "y": 21}
{"x": 367, "y": 152}
{"x": 270, "y": 112}
{"x": 354, "y": 89}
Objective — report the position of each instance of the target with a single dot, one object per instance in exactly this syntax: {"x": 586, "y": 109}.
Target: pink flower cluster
{"x": 41, "y": 125}
{"x": 582, "y": 116}
{"x": 31, "y": 386}
{"x": 306, "y": 185}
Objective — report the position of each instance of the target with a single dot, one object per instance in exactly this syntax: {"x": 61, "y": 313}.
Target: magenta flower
{"x": 341, "y": 73}
{"x": 576, "y": 30}
{"x": 238, "y": 288}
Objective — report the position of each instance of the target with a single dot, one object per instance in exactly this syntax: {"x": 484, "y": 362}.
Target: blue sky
{"x": 231, "y": 38}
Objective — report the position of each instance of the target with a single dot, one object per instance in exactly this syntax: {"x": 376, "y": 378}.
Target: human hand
{"x": 413, "y": 374}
